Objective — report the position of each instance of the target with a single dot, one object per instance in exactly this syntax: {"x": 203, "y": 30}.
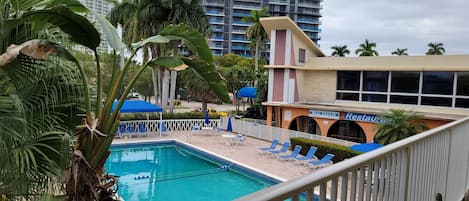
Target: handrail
{"x": 292, "y": 188}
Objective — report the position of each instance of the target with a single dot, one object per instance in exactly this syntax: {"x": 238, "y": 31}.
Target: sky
{"x": 393, "y": 24}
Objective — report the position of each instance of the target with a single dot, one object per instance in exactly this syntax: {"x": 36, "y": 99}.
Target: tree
{"x": 397, "y": 125}
{"x": 84, "y": 177}
{"x": 141, "y": 19}
{"x": 39, "y": 99}
{"x": 256, "y": 33}
{"x": 367, "y": 49}
{"x": 435, "y": 49}
{"x": 340, "y": 51}
{"x": 400, "y": 52}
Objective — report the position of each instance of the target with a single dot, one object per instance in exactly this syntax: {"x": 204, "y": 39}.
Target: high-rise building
{"x": 101, "y": 7}
{"x": 229, "y": 31}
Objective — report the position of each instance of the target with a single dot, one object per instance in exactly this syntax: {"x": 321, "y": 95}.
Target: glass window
{"x": 375, "y": 81}
{"x": 463, "y": 84}
{"x": 436, "y": 101}
{"x": 438, "y": 83}
{"x": 405, "y": 82}
{"x": 374, "y": 98}
{"x": 302, "y": 55}
{"x": 348, "y": 80}
{"x": 347, "y": 96}
{"x": 404, "y": 99}
{"x": 462, "y": 102}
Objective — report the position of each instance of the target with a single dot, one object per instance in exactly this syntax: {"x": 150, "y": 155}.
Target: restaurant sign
{"x": 362, "y": 117}
{"x": 324, "y": 114}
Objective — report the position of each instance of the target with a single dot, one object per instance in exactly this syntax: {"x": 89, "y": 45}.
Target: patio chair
{"x": 272, "y": 146}
{"x": 195, "y": 129}
{"x": 309, "y": 156}
{"x": 282, "y": 150}
{"x": 142, "y": 130}
{"x": 323, "y": 162}
{"x": 122, "y": 130}
{"x": 240, "y": 138}
{"x": 293, "y": 154}
{"x": 131, "y": 131}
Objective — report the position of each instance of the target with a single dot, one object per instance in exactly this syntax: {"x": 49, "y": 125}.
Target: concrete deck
{"x": 245, "y": 153}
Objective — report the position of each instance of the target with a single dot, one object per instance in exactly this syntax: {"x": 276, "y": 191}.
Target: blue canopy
{"x": 366, "y": 147}
{"x": 131, "y": 106}
{"x": 248, "y": 92}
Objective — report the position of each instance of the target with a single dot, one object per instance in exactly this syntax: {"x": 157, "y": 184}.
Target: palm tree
{"x": 39, "y": 99}
{"x": 84, "y": 176}
{"x": 256, "y": 33}
{"x": 435, "y": 49}
{"x": 340, "y": 51}
{"x": 141, "y": 19}
{"x": 397, "y": 125}
{"x": 400, "y": 52}
{"x": 366, "y": 49}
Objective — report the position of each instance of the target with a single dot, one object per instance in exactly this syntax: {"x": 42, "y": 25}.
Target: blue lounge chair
{"x": 325, "y": 161}
{"x": 131, "y": 131}
{"x": 282, "y": 150}
{"x": 142, "y": 130}
{"x": 272, "y": 146}
{"x": 309, "y": 156}
{"x": 293, "y": 154}
{"x": 122, "y": 130}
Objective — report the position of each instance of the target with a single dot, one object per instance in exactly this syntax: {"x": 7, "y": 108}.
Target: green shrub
{"x": 340, "y": 152}
{"x": 156, "y": 116}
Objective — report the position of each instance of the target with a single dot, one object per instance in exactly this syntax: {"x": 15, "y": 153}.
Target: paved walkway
{"x": 245, "y": 153}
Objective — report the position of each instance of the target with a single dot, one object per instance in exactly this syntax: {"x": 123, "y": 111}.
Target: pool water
{"x": 169, "y": 172}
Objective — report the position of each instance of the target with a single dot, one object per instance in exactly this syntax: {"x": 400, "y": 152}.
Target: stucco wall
{"x": 297, "y": 44}
{"x": 316, "y": 86}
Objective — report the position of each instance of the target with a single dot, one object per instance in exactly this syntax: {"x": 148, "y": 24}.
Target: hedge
{"x": 340, "y": 152}
{"x": 155, "y": 116}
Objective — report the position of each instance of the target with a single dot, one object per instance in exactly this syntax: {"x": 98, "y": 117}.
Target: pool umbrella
{"x": 207, "y": 121}
{"x": 229, "y": 127}
{"x": 366, "y": 147}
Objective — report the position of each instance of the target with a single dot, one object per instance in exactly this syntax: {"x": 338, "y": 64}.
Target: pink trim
{"x": 280, "y": 43}
{"x": 278, "y": 85}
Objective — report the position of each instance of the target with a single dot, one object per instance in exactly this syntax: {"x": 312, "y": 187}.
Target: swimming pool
{"x": 172, "y": 170}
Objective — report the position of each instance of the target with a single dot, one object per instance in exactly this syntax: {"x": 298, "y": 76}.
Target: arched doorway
{"x": 347, "y": 130}
{"x": 305, "y": 124}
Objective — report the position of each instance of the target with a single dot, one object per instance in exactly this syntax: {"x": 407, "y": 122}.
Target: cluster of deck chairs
{"x": 309, "y": 160}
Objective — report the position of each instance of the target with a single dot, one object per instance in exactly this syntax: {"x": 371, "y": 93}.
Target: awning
{"x": 248, "y": 92}
{"x": 366, "y": 147}
{"x": 134, "y": 106}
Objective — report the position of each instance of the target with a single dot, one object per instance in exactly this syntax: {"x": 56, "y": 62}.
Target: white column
{"x": 273, "y": 36}
{"x": 270, "y": 88}
{"x": 286, "y": 81}
{"x": 288, "y": 47}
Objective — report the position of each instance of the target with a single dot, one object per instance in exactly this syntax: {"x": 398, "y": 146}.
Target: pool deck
{"x": 245, "y": 153}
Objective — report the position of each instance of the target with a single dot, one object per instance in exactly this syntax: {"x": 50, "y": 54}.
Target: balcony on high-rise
{"x": 213, "y": 3}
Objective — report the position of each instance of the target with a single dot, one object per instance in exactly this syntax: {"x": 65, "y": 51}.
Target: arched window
{"x": 305, "y": 124}
{"x": 347, "y": 130}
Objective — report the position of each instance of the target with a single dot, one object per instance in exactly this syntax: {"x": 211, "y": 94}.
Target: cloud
{"x": 396, "y": 24}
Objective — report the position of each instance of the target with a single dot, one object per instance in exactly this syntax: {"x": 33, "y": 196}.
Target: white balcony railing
{"x": 416, "y": 168}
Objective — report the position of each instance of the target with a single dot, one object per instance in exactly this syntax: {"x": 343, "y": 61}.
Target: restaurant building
{"x": 341, "y": 96}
